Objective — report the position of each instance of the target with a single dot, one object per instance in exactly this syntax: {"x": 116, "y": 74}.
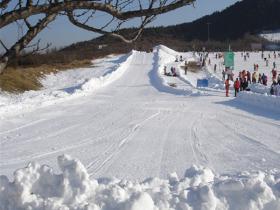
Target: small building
{"x": 101, "y": 46}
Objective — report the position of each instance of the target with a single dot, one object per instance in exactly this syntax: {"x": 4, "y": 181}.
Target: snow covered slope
{"x": 273, "y": 36}
{"x": 122, "y": 119}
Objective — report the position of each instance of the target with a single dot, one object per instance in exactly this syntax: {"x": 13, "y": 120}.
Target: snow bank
{"x": 65, "y": 85}
{"x": 167, "y": 51}
{"x": 38, "y": 187}
{"x": 263, "y": 101}
{"x": 259, "y": 88}
{"x": 96, "y": 83}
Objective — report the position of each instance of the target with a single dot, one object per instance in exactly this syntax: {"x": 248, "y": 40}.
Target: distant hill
{"x": 247, "y": 16}
{"x": 238, "y": 25}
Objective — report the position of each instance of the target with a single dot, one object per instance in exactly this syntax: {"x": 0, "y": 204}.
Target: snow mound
{"x": 38, "y": 187}
{"x": 166, "y": 50}
{"x": 65, "y": 85}
{"x": 263, "y": 101}
{"x": 96, "y": 83}
{"x": 259, "y": 88}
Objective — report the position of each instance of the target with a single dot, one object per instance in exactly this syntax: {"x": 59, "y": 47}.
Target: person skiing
{"x": 236, "y": 86}
{"x": 227, "y": 87}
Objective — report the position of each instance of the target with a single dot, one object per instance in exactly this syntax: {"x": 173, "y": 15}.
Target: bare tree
{"x": 82, "y": 13}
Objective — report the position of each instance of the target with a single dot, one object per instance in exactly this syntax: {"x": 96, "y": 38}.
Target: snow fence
{"x": 38, "y": 187}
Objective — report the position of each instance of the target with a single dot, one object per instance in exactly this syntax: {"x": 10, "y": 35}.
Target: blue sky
{"x": 62, "y": 33}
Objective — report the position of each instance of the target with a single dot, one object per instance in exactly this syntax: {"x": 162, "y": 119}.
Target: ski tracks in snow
{"x": 195, "y": 143}
{"x": 99, "y": 163}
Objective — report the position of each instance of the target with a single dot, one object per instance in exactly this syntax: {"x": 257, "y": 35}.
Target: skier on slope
{"x": 227, "y": 87}
{"x": 236, "y": 86}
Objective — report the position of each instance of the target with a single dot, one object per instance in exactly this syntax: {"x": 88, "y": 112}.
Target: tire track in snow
{"x": 164, "y": 139}
{"x": 23, "y": 126}
{"x": 115, "y": 149}
{"x": 249, "y": 139}
{"x": 81, "y": 143}
{"x": 195, "y": 143}
{"x": 247, "y": 117}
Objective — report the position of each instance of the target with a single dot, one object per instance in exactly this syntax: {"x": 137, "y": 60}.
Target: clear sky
{"x": 62, "y": 33}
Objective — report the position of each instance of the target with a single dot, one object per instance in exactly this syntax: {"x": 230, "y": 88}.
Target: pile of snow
{"x": 259, "y": 88}
{"x": 66, "y": 85}
{"x": 166, "y": 50}
{"x": 96, "y": 83}
{"x": 264, "y": 101}
{"x": 38, "y": 187}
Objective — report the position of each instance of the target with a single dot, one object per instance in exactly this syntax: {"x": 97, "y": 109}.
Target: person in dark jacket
{"x": 245, "y": 84}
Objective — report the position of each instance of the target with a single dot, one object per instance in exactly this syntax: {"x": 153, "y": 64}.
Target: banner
{"x": 229, "y": 60}
{"x": 202, "y": 83}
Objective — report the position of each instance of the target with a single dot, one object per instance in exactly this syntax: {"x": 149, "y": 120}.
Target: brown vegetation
{"x": 23, "y": 78}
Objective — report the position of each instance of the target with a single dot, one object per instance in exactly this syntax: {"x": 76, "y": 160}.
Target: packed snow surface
{"x": 124, "y": 118}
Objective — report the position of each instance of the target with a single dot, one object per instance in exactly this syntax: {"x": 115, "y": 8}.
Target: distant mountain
{"x": 237, "y": 25}
{"x": 244, "y": 17}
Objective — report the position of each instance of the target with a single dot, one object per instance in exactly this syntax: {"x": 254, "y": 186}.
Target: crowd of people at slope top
{"x": 244, "y": 78}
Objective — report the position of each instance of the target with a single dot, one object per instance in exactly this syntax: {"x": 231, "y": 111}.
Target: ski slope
{"x": 126, "y": 121}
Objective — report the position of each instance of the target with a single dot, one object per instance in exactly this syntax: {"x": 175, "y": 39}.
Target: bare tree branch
{"x": 113, "y": 34}
{"x": 4, "y": 3}
{"x": 117, "y": 12}
{"x": 25, "y": 12}
{"x": 25, "y": 40}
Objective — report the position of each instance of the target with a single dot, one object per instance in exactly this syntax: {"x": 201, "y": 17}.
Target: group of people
{"x": 242, "y": 82}
{"x": 245, "y": 78}
{"x": 172, "y": 72}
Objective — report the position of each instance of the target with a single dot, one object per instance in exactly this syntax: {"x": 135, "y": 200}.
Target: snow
{"x": 142, "y": 140}
{"x": 263, "y": 101}
{"x": 66, "y": 85}
{"x": 38, "y": 187}
{"x": 272, "y": 36}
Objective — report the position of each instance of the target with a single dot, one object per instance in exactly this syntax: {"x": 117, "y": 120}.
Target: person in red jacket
{"x": 227, "y": 86}
{"x": 236, "y": 86}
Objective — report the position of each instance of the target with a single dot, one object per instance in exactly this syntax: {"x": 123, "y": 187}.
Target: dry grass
{"x": 21, "y": 79}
